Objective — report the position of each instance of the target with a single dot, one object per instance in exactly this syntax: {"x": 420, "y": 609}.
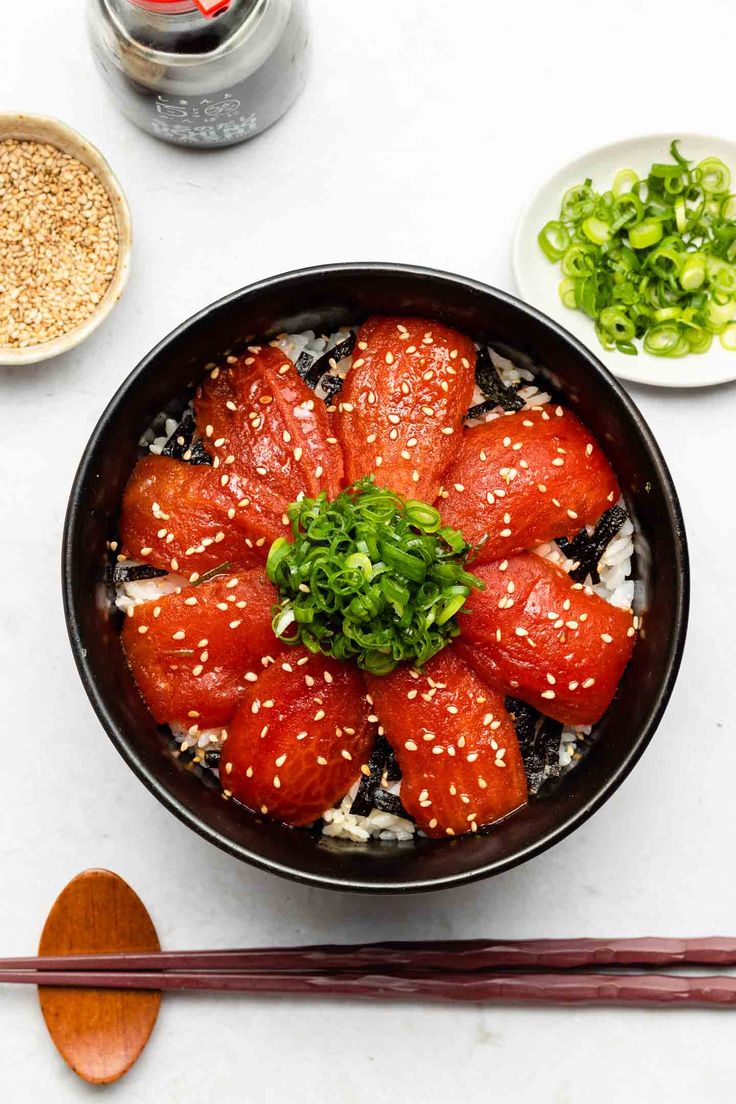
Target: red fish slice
{"x": 524, "y": 479}
{"x": 550, "y": 642}
{"x": 455, "y": 743}
{"x": 271, "y": 437}
{"x": 401, "y": 410}
{"x": 195, "y": 653}
{"x": 299, "y": 739}
{"x": 177, "y": 517}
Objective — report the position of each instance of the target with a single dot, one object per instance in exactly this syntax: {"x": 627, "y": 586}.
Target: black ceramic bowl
{"x": 324, "y": 299}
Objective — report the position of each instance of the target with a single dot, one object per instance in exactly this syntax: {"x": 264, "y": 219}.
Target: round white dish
{"x": 537, "y": 279}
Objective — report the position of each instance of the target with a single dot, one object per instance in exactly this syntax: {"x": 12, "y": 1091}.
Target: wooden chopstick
{"x": 555, "y": 988}
{"x": 456, "y": 956}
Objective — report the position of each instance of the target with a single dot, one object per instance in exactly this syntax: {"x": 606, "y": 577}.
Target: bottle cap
{"x": 208, "y": 8}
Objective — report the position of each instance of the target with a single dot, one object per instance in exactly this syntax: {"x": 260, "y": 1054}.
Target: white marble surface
{"x": 422, "y": 129}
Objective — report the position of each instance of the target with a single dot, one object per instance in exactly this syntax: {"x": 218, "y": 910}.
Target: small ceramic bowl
{"x": 40, "y": 128}
{"x": 324, "y": 299}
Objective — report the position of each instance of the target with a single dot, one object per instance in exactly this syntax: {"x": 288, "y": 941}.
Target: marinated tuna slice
{"x": 270, "y": 436}
{"x": 524, "y": 479}
{"x": 299, "y": 739}
{"x": 542, "y": 638}
{"x": 455, "y": 743}
{"x": 401, "y": 410}
{"x": 194, "y": 654}
{"x": 177, "y": 517}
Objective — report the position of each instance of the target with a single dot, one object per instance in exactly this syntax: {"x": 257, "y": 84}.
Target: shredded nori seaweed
{"x": 495, "y": 391}
{"x": 389, "y": 803}
{"x": 525, "y": 720}
{"x": 539, "y": 743}
{"x": 331, "y": 385}
{"x": 393, "y": 770}
{"x": 585, "y": 549}
{"x": 370, "y": 795}
{"x": 369, "y": 783}
{"x": 303, "y": 364}
{"x": 480, "y": 409}
{"x": 322, "y": 364}
{"x": 182, "y": 445}
{"x": 134, "y": 573}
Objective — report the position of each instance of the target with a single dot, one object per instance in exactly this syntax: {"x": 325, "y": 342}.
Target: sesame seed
{"x": 550, "y": 694}
{"x": 410, "y": 745}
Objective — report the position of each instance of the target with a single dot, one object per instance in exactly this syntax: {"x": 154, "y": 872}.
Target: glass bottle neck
{"x": 183, "y": 29}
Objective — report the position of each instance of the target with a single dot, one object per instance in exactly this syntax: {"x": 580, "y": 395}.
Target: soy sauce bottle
{"x": 201, "y": 73}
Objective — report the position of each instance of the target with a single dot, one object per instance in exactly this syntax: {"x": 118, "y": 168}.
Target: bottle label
{"x": 210, "y": 120}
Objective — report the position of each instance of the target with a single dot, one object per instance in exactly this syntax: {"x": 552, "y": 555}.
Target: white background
{"x": 423, "y": 128}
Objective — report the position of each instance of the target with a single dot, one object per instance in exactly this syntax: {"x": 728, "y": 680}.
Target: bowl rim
{"x": 45, "y": 128}
{"x": 574, "y": 820}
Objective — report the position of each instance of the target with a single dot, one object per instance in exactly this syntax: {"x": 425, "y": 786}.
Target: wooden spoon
{"x": 99, "y": 1033}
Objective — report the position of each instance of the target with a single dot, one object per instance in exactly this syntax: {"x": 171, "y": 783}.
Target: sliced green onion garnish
{"x": 692, "y": 273}
{"x": 647, "y": 233}
{"x": 715, "y": 177}
{"x": 654, "y": 258}
{"x": 664, "y": 339}
{"x": 369, "y": 577}
{"x": 597, "y": 231}
{"x": 623, "y": 182}
{"x": 567, "y": 292}
{"x": 728, "y": 208}
{"x": 579, "y": 260}
{"x": 554, "y": 240}
{"x": 728, "y": 338}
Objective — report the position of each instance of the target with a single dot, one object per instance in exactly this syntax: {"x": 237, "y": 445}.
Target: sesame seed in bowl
{"x": 65, "y": 239}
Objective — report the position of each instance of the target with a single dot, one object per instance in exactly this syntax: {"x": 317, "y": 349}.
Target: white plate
{"x": 537, "y": 279}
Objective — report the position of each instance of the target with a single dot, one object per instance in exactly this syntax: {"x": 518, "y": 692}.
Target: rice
{"x": 614, "y": 569}
{"x": 340, "y": 823}
{"x": 129, "y": 595}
